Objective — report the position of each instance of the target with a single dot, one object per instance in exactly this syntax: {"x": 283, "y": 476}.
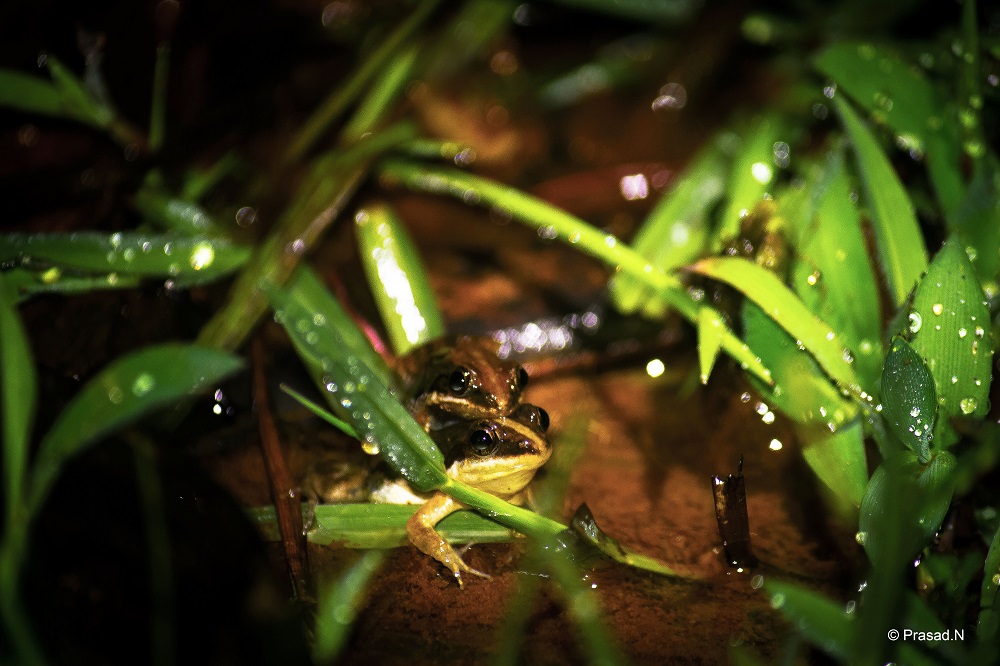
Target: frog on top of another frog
{"x": 460, "y": 378}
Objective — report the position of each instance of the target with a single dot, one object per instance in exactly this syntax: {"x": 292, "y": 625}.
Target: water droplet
{"x": 547, "y": 231}
{"x": 980, "y": 332}
{"x": 915, "y": 322}
{"x": 115, "y": 394}
{"x": 861, "y": 537}
{"x": 954, "y": 379}
{"x": 915, "y": 412}
{"x": 937, "y": 308}
{"x": 319, "y": 320}
{"x": 370, "y": 446}
{"x": 962, "y": 332}
{"x": 143, "y": 384}
{"x": 346, "y": 403}
{"x": 813, "y": 278}
{"x": 968, "y": 405}
{"x": 610, "y": 241}
{"x": 777, "y": 600}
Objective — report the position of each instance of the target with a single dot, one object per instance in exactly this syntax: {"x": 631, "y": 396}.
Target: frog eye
{"x": 483, "y": 443}
{"x": 459, "y": 380}
{"x": 543, "y": 419}
{"x": 522, "y": 378}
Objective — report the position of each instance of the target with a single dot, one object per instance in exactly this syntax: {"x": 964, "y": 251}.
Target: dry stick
{"x": 286, "y": 502}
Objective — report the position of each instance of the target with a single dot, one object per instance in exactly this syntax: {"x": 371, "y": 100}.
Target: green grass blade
{"x": 17, "y": 402}
{"x": 781, "y": 304}
{"x": 383, "y": 93}
{"x": 397, "y": 279}
{"x": 949, "y": 326}
{"x": 900, "y": 243}
{"x": 822, "y": 621}
{"x": 838, "y": 459}
{"x": 125, "y": 391}
{"x": 831, "y": 271}
{"x": 710, "y": 331}
{"x": 558, "y": 224}
{"x": 339, "y": 605}
{"x": 340, "y": 425}
{"x": 198, "y": 259}
{"x": 352, "y": 381}
{"x": 82, "y": 105}
{"x": 900, "y": 96}
{"x": 381, "y": 526}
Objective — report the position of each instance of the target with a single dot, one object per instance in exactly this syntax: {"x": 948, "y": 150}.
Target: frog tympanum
{"x": 460, "y": 378}
{"x": 498, "y": 455}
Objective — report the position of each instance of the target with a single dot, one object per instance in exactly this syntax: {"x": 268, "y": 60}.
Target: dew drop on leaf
{"x": 915, "y": 322}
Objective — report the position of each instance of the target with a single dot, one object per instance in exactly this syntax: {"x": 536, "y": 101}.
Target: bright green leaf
{"x": 838, "y": 459}
{"x": 897, "y": 235}
{"x": 125, "y": 391}
{"x": 710, "y": 329}
{"x": 343, "y": 426}
{"x": 831, "y": 271}
{"x": 397, "y": 279}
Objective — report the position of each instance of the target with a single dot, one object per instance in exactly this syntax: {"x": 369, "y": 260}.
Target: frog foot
{"x": 420, "y": 529}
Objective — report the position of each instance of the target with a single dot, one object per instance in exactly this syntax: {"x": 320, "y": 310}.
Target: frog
{"x": 498, "y": 455}
{"x": 460, "y": 378}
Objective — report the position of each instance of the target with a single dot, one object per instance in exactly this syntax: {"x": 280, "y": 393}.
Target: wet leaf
{"x": 675, "y": 232}
{"x": 778, "y": 302}
{"x": 904, "y": 505}
{"x": 397, "y": 278}
{"x": 128, "y": 389}
{"x": 977, "y": 220}
{"x": 949, "y": 327}
{"x": 831, "y": 271}
{"x": 897, "y": 235}
{"x": 17, "y": 400}
{"x": 353, "y": 378}
{"x": 900, "y": 96}
{"x": 752, "y": 174}
{"x": 192, "y": 259}
{"x": 909, "y": 401}
{"x": 822, "y": 621}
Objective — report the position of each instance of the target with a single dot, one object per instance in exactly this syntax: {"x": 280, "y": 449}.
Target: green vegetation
{"x": 857, "y": 217}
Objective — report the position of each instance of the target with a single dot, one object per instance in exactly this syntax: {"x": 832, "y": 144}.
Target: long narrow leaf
{"x": 900, "y": 243}
{"x": 122, "y": 393}
{"x": 17, "y": 407}
{"x": 778, "y": 301}
{"x": 133, "y": 253}
{"x": 397, "y": 278}
{"x": 819, "y": 619}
